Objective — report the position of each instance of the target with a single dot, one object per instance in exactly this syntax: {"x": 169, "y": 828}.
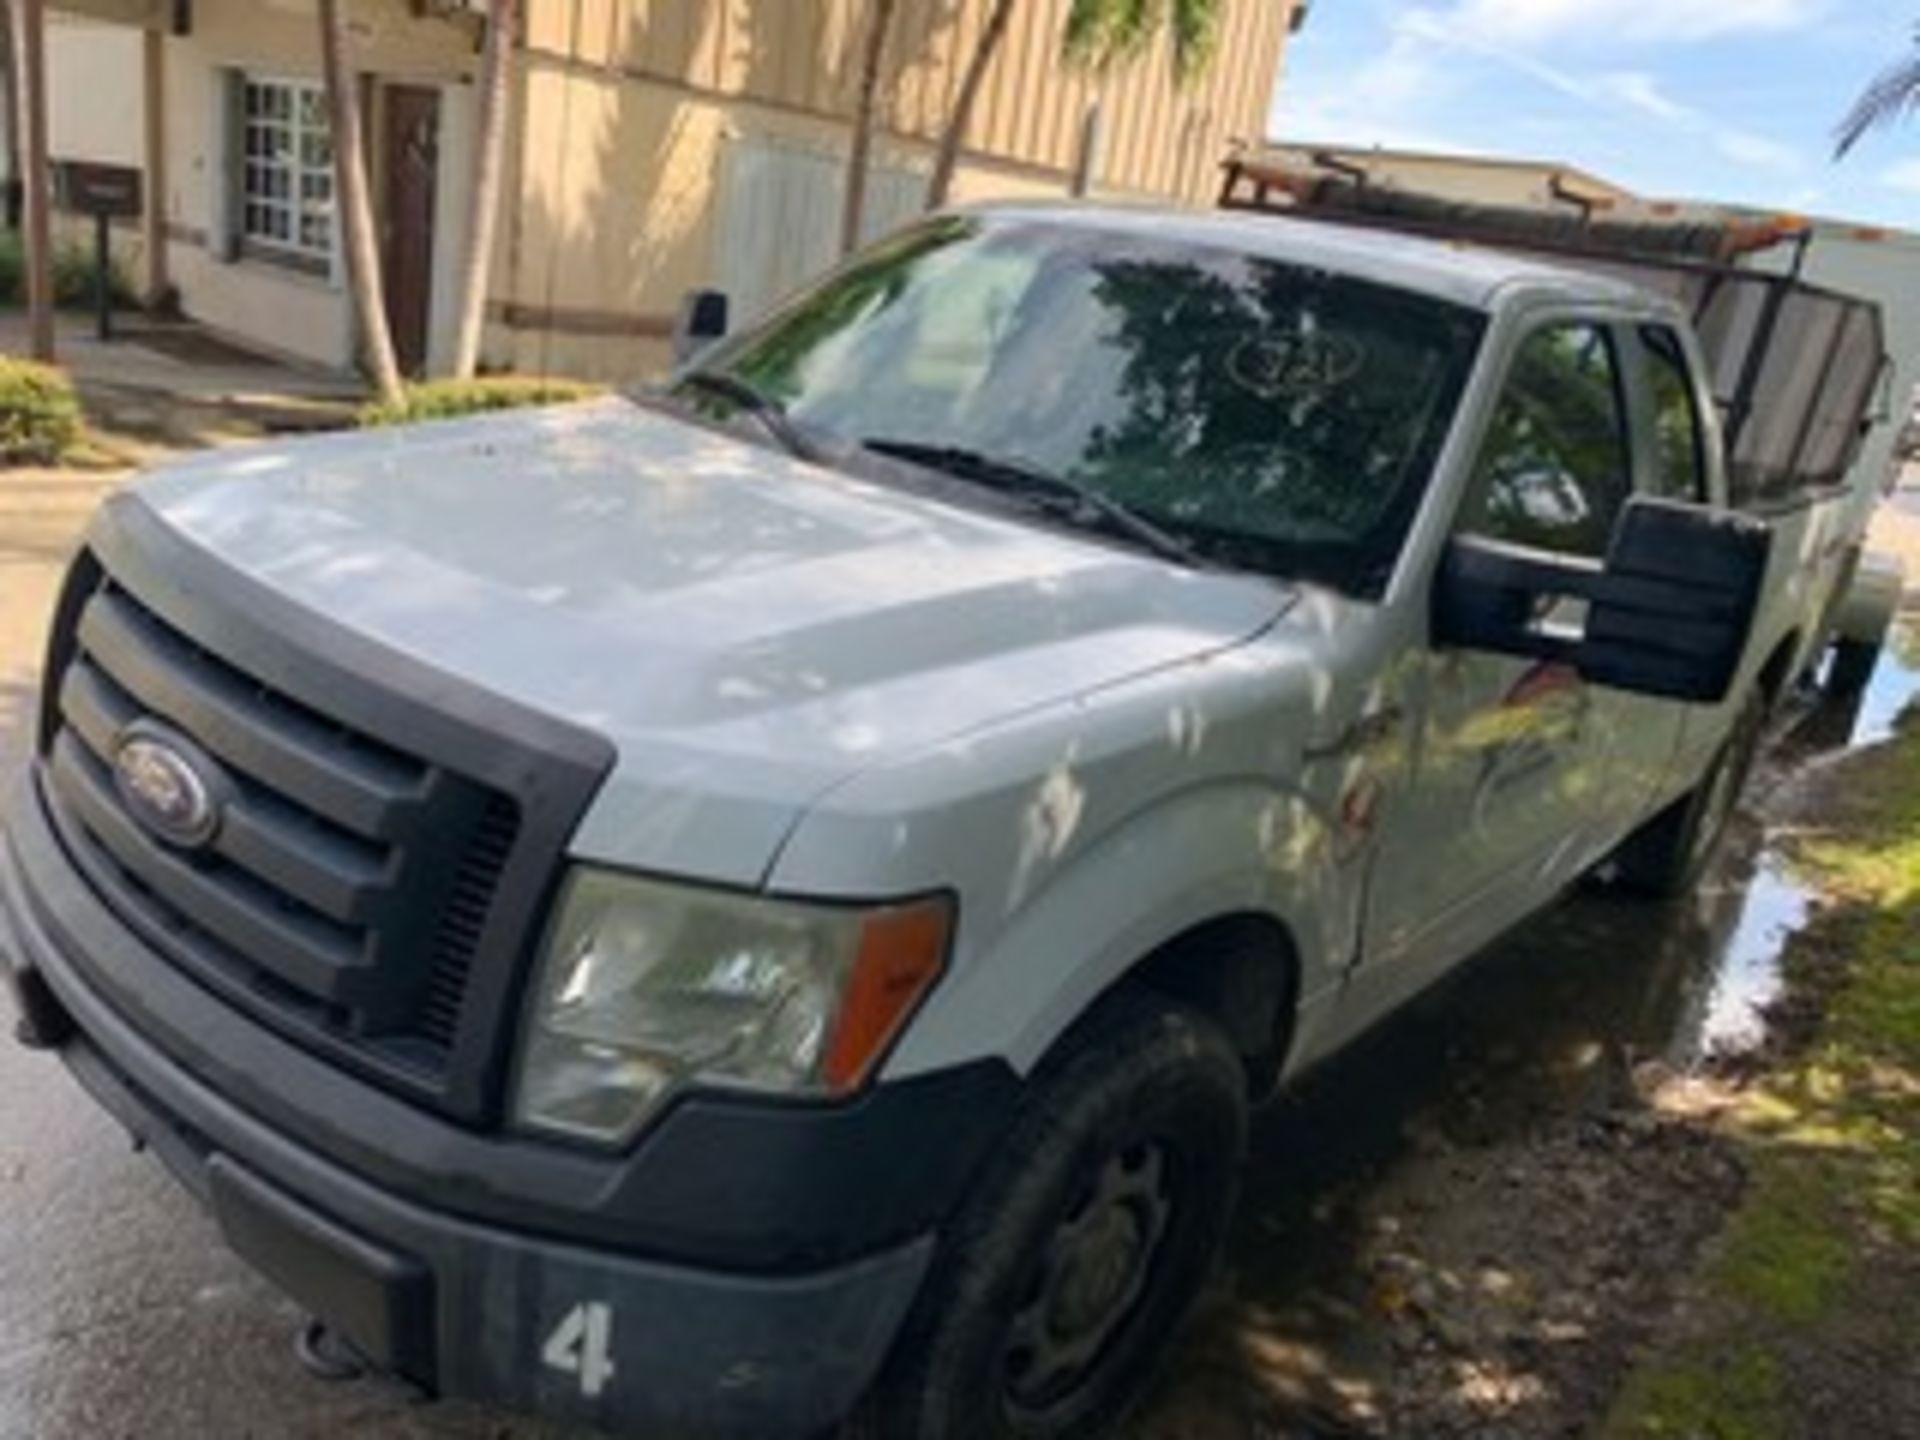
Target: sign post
{"x": 106, "y": 192}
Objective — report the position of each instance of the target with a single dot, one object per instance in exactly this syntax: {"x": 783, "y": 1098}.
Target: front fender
{"x": 1224, "y": 847}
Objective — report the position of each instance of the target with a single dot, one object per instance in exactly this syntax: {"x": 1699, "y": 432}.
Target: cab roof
{"x": 1458, "y": 271}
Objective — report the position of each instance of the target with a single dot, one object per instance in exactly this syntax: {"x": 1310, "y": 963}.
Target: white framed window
{"x": 285, "y": 177}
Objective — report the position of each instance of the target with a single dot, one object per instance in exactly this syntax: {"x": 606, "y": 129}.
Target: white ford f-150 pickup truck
{"x": 770, "y": 898}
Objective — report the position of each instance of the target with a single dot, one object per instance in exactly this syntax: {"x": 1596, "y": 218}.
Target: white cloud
{"x": 1422, "y": 39}
{"x": 1399, "y": 96}
{"x": 1643, "y": 93}
{"x": 1745, "y": 148}
{"x": 1903, "y": 176}
{"x": 1527, "y": 22}
{"x": 1381, "y": 102}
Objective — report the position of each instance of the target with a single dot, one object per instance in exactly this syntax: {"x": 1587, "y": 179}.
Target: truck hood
{"x": 748, "y": 630}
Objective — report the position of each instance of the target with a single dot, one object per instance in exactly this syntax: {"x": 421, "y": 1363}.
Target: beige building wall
{"x": 97, "y": 96}
{"x": 632, "y": 111}
{"x": 299, "y": 314}
{"x": 100, "y": 120}
{"x": 802, "y": 57}
{"x": 653, "y": 145}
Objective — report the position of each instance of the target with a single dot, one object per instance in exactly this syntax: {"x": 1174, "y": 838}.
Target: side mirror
{"x": 1668, "y": 614}
{"x": 702, "y": 320}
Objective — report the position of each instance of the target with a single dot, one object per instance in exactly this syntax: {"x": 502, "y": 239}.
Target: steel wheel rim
{"x": 1088, "y": 1280}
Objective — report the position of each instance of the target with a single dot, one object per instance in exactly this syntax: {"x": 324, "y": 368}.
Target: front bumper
{"x": 440, "y": 1290}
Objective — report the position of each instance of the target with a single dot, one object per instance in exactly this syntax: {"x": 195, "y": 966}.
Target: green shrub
{"x": 447, "y": 399}
{"x": 39, "y": 414}
{"x": 72, "y": 275}
{"x": 13, "y": 269}
{"x": 73, "y": 279}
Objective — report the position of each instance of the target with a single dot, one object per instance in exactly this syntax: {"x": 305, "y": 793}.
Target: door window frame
{"x": 1627, "y": 383}
{"x": 1642, "y": 359}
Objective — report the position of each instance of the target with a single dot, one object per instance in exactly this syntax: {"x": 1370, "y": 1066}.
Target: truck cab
{"x": 771, "y": 897}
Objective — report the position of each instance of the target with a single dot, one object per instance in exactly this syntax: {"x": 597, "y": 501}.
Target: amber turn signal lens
{"x": 902, "y": 952}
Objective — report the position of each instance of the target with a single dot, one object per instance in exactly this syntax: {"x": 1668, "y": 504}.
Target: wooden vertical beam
{"x": 30, "y": 46}
{"x": 153, "y": 221}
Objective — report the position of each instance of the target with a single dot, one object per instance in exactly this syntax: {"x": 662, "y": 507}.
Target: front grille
{"x": 360, "y": 894}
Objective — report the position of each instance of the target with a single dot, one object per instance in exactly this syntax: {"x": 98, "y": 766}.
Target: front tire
{"x": 1085, "y": 1243}
{"x": 1665, "y": 857}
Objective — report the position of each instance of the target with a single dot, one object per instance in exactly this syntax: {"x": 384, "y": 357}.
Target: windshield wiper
{"x": 1060, "y": 495}
{"x": 749, "y": 397}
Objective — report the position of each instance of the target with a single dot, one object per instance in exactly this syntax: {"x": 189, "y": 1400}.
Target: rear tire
{"x": 1852, "y": 667}
{"x": 1665, "y": 857}
{"x": 1085, "y": 1243}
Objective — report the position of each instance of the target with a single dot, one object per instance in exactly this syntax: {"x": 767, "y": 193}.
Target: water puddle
{"x": 1743, "y": 974}
{"x": 1748, "y": 979}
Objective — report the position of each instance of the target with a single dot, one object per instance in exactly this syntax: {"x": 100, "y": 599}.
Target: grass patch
{"x": 1818, "y": 1262}
{"x": 1737, "y": 1397}
{"x": 449, "y": 399}
{"x": 1783, "y": 1252}
{"x": 40, "y": 420}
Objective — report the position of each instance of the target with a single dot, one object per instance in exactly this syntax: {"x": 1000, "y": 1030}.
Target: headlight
{"x": 645, "y": 984}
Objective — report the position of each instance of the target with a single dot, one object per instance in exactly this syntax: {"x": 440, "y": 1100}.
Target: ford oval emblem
{"x": 167, "y": 784}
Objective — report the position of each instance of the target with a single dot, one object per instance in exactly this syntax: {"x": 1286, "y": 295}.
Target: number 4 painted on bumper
{"x": 581, "y": 1344}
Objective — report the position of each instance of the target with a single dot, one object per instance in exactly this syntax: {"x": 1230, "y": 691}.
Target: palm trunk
{"x": 356, "y": 206}
{"x": 963, "y": 103}
{"x": 30, "y": 54}
{"x": 503, "y": 24}
{"x": 853, "y": 206}
{"x": 10, "y": 83}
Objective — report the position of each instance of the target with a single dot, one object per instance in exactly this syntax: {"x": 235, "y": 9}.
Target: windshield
{"x": 1261, "y": 413}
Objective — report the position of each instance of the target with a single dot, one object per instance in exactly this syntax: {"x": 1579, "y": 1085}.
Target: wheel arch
{"x": 1230, "y": 897}
{"x": 1242, "y": 969}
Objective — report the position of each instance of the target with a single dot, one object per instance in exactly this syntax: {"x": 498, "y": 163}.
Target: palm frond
{"x": 1893, "y": 95}
{"x": 1196, "y": 36}
{"x": 1100, "y": 34}
{"x": 1085, "y": 33}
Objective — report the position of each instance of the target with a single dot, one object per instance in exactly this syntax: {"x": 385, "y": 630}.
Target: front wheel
{"x": 1666, "y": 855}
{"x": 1086, "y": 1242}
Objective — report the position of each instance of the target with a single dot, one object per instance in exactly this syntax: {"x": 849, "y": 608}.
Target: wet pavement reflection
{"x": 1549, "y": 1023}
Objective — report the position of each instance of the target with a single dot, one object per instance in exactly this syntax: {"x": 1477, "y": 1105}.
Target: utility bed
{"x": 1797, "y": 369}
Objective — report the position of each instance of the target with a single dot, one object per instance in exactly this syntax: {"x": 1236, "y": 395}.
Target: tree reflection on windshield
{"x": 1268, "y": 414}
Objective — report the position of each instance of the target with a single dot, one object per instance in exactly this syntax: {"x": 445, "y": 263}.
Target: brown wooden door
{"x": 412, "y": 163}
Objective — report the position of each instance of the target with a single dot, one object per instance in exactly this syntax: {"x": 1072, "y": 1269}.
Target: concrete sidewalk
{"x": 172, "y": 382}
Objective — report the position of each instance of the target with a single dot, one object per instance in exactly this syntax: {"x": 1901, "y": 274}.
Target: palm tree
{"x": 1099, "y": 34}
{"x": 1894, "y": 94}
{"x": 10, "y": 117}
{"x": 1102, "y": 33}
{"x": 356, "y": 206}
{"x": 503, "y": 23}
{"x": 853, "y": 206}
{"x": 985, "y": 48}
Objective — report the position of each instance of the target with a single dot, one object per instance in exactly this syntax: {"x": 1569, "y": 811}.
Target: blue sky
{"x": 1710, "y": 99}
